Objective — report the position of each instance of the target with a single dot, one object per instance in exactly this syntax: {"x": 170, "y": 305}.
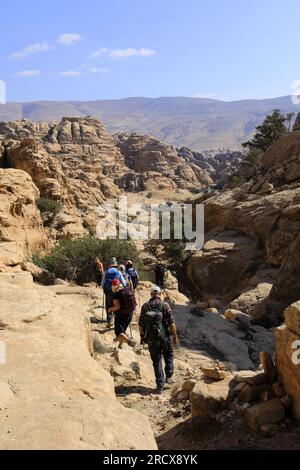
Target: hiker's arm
{"x": 115, "y": 307}
{"x": 174, "y": 333}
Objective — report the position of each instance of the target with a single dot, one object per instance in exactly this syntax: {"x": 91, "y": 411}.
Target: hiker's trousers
{"x": 158, "y": 351}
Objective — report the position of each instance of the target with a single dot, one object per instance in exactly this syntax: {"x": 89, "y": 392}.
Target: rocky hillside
{"x": 249, "y": 260}
{"x": 163, "y": 166}
{"x": 77, "y": 163}
{"x": 198, "y": 123}
{"x": 65, "y": 384}
{"x": 219, "y": 165}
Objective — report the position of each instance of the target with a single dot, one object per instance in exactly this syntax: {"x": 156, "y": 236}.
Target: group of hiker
{"x": 156, "y": 323}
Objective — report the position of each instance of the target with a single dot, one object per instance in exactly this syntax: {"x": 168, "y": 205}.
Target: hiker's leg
{"x": 109, "y": 302}
{"x": 122, "y": 338}
{"x": 156, "y": 356}
{"x": 168, "y": 353}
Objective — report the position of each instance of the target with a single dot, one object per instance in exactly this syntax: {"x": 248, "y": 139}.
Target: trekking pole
{"x": 103, "y": 300}
{"x": 138, "y": 290}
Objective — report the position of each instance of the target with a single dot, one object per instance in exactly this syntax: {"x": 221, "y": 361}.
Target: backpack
{"x": 153, "y": 326}
{"x": 160, "y": 269}
{"x": 110, "y": 275}
{"x": 133, "y": 275}
{"x": 127, "y": 300}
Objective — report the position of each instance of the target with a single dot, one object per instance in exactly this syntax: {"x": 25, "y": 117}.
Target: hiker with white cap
{"x": 158, "y": 330}
{"x": 132, "y": 273}
{"x": 110, "y": 275}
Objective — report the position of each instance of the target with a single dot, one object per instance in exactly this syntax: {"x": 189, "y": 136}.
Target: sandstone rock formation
{"x": 253, "y": 236}
{"x": 157, "y": 165}
{"x": 208, "y": 398}
{"x": 287, "y": 358}
{"x": 219, "y": 165}
{"x": 227, "y": 340}
{"x": 21, "y": 230}
{"x": 77, "y": 163}
{"x": 53, "y": 394}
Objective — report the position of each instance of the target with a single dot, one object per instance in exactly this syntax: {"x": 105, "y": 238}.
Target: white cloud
{"x": 67, "y": 39}
{"x": 29, "y": 50}
{"x": 98, "y": 53}
{"x": 130, "y": 51}
{"x": 70, "y": 73}
{"x": 28, "y": 73}
{"x": 122, "y": 53}
{"x": 95, "y": 69}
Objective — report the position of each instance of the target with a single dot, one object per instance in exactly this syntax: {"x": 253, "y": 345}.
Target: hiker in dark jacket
{"x": 158, "y": 330}
{"x": 110, "y": 275}
{"x": 124, "y": 305}
{"x": 133, "y": 274}
{"x": 159, "y": 271}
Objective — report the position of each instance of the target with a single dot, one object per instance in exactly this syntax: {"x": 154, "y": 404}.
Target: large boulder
{"x": 53, "y": 393}
{"x": 209, "y": 398}
{"x": 221, "y": 267}
{"x": 270, "y": 412}
{"x": 287, "y": 337}
{"x": 21, "y": 230}
{"x": 226, "y": 340}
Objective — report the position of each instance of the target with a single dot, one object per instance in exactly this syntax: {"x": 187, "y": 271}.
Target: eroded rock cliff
{"x": 252, "y": 238}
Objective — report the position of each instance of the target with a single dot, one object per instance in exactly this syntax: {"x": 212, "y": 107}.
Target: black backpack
{"x": 154, "y": 330}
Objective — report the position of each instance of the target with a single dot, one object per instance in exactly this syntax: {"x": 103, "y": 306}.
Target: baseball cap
{"x": 155, "y": 290}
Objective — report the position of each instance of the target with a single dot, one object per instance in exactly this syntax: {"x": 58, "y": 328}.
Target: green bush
{"x": 74, "y": 260}
{"x": 235, "y": 181}
{"x": 194, "y": 190}
{"x": 48, "y": 205}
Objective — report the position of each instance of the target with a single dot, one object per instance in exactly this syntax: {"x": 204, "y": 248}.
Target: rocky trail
{"x": 171, "y": 414}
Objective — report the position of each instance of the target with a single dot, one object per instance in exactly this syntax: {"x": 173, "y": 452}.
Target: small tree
{"x": 48, "y": 205}
{"x": 268, "y": 132}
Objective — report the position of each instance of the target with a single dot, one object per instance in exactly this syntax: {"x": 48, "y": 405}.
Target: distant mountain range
{"x": 198, "y": 123}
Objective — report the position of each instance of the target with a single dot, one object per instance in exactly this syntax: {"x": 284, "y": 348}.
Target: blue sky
{"x": 96, "y": 49}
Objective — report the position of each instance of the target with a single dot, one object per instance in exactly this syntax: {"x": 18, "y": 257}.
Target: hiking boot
{"x": 131, "y": 343}
{"x": 109, "y": 326}
{"x": 159, "y": 390}
{"x": 170, "y": 380}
